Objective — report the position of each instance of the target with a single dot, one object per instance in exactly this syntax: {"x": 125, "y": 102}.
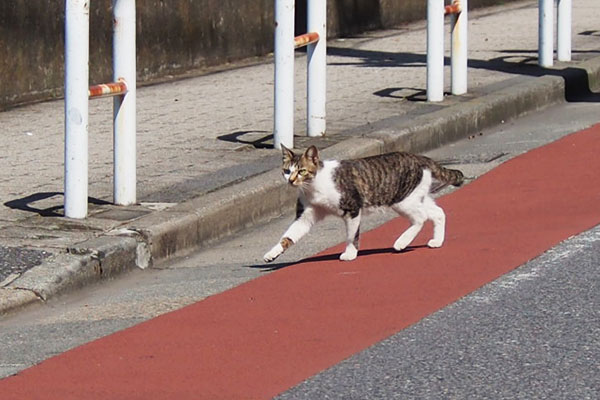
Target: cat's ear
{"x": 312, "y": 154}
{"x": 288, "y": 155}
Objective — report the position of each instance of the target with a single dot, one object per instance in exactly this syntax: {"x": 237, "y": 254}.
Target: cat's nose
{"x": 293, "y": 178}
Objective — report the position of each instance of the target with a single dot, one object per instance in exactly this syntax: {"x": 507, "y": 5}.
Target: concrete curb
{"x": 196, "y": 222}
{"x": 84, "y": 263}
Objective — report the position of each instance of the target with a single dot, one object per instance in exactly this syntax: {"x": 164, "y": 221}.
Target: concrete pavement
{"x": 205, "y": 168}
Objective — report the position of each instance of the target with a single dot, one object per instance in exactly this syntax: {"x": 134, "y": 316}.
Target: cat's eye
{"x": 286, "y": 171}
{"x": 303, "y": 172}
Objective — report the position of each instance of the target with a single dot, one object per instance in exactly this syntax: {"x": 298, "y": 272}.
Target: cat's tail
{"x": 446, "y": 176}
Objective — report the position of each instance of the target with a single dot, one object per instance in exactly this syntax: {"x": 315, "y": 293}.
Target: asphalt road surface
{"x": 508, "y": 308}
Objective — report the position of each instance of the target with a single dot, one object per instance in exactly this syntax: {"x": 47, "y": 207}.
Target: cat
{"x": 348, "y": 188}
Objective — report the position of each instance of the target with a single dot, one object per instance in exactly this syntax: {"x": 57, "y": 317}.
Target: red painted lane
{"x": 269, "y": 334}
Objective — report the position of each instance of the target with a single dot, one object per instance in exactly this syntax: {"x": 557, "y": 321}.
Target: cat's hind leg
{"x": 352, "y": 235}
{"x": 417, "y": 217}
{"x": 414, "y": 209}
{"x": 438, "y": 217}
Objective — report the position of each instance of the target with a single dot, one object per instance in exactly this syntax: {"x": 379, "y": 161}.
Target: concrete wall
{"x": 173, "y": 36}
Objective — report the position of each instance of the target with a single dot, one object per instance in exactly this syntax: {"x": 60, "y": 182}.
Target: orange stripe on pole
{"x": 307, "y": 38}
{"x": 108, "y": 89}
{"x": 454, "y": 8}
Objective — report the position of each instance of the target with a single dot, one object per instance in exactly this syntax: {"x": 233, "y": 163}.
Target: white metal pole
{"x": 284, "y": 74}
{"x": 545, "y": 35}
{"x": 76, "y": 107}
{"x": 459, "y": 36}
{"x": 124, "y": 66}
{"x": 435, "y": 50}
{"x": 317, "y": 68}
{"x": 563, "y": 46}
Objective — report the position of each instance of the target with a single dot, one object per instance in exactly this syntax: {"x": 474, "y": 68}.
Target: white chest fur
{"x": 322, "y": 192}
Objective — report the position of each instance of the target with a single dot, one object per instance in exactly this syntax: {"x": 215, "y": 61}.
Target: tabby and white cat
{"x": 347, "y": 188}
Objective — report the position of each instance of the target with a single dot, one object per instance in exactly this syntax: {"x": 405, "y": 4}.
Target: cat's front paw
{"x": 273, "y": 253}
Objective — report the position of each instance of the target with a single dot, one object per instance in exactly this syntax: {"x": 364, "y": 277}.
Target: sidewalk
{"x": 205, "y": 168}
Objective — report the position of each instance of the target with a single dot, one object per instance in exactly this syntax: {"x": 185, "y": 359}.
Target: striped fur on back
{"x": 387, "y": 179}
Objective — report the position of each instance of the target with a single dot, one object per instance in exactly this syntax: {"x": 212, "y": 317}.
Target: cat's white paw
{"x": 273, "y": 253}
{"x": 435, "y": 243}
{"x": 400, "y": 244}
{"x": 349, "y": 255}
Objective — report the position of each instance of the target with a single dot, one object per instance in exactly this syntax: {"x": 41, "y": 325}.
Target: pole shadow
{"x": 24, "y": 204}
{"x": 511, "y": 61}
{"x": 263, "y": 142}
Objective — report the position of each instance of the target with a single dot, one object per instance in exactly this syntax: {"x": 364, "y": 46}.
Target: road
{"x": 375, "y": 328}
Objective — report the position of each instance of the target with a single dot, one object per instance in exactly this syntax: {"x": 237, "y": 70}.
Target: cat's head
{"x": 300, "y": 169}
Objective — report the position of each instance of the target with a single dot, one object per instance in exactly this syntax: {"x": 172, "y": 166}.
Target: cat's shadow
{"x": 331, "y": 257}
